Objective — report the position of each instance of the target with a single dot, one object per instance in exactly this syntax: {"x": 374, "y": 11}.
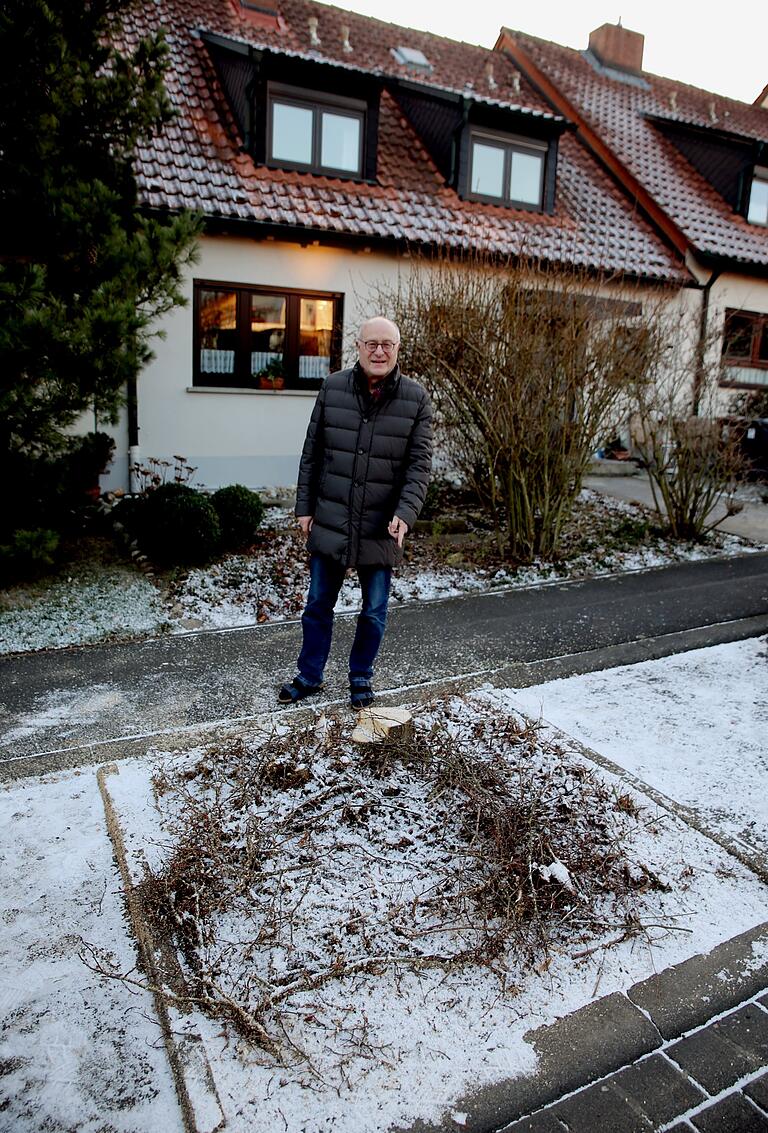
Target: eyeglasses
{"x": 371, "y": 345}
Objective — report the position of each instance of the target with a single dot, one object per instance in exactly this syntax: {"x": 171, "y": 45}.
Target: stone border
{"x": 201, "y": 1109}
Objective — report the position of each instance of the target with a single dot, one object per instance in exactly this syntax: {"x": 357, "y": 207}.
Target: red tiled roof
{"x": 621, "y": 115}
{"x": 455, "y": 66}
{"x": 197, "y": 162}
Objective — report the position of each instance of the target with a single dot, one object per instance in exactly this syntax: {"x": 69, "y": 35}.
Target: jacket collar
{"x": 388, "y": 385}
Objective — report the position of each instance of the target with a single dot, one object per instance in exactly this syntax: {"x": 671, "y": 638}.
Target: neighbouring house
{"x": 695, "y": 162}
{"x": 327, "y": 149}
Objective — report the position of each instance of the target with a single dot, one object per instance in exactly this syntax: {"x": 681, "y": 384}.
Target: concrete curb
{"x": 611, "y": 1034}
{"x": 686, "y": 995}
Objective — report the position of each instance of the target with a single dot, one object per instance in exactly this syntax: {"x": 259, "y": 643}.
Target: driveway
{"x": 57, "y": 706}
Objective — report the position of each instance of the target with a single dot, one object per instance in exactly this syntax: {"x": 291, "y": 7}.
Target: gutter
{"x": 369, "y": 242}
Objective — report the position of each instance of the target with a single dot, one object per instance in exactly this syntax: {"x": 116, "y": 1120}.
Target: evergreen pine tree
{"x": 84, "y": 270}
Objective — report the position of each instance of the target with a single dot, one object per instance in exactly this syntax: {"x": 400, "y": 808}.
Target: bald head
{"x": 377, "y": 346}
{"x": 379, "y": 328}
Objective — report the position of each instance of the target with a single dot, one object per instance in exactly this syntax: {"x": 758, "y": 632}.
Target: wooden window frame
{"x": 242, "y": 377}
{"x": 317, "y": 103}
{"x": 743, "y": 363}
{"x": 509, "y": 143}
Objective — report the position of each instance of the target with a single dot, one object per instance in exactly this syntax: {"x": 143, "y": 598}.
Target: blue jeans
{"x": 325, "y": 579}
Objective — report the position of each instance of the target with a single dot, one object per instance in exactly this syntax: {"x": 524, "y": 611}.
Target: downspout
{"x": 134, "y": 451}
{"x": 701, "y": 346}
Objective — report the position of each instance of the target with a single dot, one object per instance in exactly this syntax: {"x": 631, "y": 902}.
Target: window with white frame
{"x": 269, "y": 338}
{"x": 507, "y": 169}
{"x": 322, "y": 133}
{"x": 757, "y": 209}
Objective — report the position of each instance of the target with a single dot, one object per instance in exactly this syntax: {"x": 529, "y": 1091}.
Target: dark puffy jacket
{"x": 364, "y": 461}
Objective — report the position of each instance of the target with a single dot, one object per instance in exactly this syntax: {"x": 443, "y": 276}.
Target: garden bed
{"x": 357, "y": 935}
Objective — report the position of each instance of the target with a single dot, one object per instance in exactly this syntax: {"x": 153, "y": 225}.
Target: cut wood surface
{"x": 375, "y": 725}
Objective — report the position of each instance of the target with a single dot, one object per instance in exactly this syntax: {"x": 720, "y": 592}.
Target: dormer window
{"x": 506, "y": 169}
{"x": 323, "y": 133}
{"x": 757, "y": 210}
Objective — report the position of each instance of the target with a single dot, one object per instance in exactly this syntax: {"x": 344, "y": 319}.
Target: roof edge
{"x": 711, "y": 131}
{"x": 437, "y": 90}
{"x": 214, "y": 225}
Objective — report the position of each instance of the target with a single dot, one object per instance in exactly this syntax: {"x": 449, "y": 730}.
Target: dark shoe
{"x": 295, "y": 690}
{"x": 361, "y": 695}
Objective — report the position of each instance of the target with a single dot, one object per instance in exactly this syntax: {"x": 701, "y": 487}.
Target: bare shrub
{"x": 749, "y": 403}
{"x": 526, "y": 365}
{"x": 693, "y": 461}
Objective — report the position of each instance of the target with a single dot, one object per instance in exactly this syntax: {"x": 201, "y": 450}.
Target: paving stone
{"x": 542, "y": 1122}
{"x": 758, "y": 1090}
{"x": 748, "y": 1028}
{"x": 714, "y": 1061}
{"x": 600, "y": 1107}
{"x": 596, "y": 1040}
{"x": 732, "y": 1114}
{"x": 688, "y": 994}
{"x": 657, "y": 1088}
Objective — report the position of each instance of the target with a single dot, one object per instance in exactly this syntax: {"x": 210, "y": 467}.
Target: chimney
{"x": 619, "y": 47}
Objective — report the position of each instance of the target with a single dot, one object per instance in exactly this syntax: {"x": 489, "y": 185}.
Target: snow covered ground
{"x": 270, "y": 584}
{"x": 695, "y": 726}
{"x": 81, "y": 1053}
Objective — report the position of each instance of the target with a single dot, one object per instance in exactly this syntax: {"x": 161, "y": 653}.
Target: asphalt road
{"x": 57, "y": 705}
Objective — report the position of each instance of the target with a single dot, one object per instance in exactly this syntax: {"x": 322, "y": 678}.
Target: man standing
{"x": 363, "y": 476}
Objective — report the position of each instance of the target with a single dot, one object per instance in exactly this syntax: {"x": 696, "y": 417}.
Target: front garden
{"x": 103, "y": 586}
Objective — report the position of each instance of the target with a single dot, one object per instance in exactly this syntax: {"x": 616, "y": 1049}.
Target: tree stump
{"x": 382, "y": 725}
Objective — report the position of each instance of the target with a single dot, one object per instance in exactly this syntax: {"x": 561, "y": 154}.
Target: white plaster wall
{"x": 250, "y": 437}
{"x": 740, "y": 291}
{"x": 254, "y": 437}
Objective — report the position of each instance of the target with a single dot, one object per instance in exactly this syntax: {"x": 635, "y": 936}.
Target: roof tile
{"x": 199, "y": 156}
{"x": 622, "y": 115}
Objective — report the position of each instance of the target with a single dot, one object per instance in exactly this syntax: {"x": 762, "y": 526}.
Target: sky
{"x": 713, "y": 47}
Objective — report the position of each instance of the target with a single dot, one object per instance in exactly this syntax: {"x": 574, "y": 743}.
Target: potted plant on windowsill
{"x": 272, "y": 376}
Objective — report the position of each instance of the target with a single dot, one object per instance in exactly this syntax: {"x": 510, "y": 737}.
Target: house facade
{"x": 697, "y": 165}
{"x": 328, "y": 152}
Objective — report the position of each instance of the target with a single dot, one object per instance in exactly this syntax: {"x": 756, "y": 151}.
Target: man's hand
{"x": 398, "y": 529}
{"x": 305, "y": 523}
